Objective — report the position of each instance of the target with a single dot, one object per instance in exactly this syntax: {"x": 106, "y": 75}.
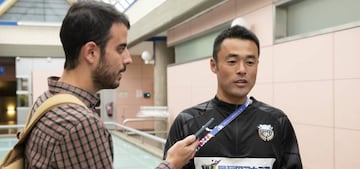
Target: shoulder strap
{"x": 43, "y": 108}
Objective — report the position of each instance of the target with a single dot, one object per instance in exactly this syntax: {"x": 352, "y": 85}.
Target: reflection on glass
{"x": 22, "y": 84}
{"x": 23, "y": 100}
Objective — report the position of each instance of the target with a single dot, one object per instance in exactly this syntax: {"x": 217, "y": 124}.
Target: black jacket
{"x": 241, "y": 138}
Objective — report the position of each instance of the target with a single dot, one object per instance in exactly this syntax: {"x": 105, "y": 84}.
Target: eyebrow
{"x": 231, "y": 55}
{"x": 122, "y": 45}
{"x": 251, "y": 56}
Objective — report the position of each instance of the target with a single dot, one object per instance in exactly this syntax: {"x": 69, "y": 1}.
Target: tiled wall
{"x": 313, "y": 80}
{"x": 137, "y": 78}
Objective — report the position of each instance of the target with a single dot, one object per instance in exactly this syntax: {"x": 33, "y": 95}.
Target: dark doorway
{"x": 7, "y": 91}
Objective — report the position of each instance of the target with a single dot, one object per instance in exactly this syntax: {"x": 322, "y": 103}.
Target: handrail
{"x": 9, "y": 127}
{"x": 16, "y": 126}
{"x": 141, "y": 133}
{"x": 143, "y": 119}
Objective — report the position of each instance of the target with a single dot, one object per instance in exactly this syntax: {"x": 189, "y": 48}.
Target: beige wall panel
{"x": 316, "y": 146}
{"x": 203, "y": 94}
{"x": 306, "y": 102}
{"x": 347, "y": 148}
{"x": 137, "y": 79}
{"x": 263, "y": 92}
{"x": 179, "y": 98}
{"x": 347, "y": 54}
{"x": 265, "y": 67}
{"x": 261, "y": 24}
{"x": 347, "y": 110}
{"x": 306, "y": 59}
{"x": 189, "y": 84}
{"x": 129, "y": 82}
{"x": 177, "y": 75}
{"x": 40, "y": 81}
{"x": 179, "y": 85}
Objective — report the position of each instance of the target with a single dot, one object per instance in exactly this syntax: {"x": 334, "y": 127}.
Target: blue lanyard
{"x": 224, "y": 123}
{"x": 230, "y": 118}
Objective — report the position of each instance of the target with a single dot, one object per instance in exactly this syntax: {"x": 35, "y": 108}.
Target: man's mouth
{"x": 123, "y": 70}
{"x": 241, "y": 82}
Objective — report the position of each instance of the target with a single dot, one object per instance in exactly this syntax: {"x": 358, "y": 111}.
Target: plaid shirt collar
{"x": 89, "y": 99}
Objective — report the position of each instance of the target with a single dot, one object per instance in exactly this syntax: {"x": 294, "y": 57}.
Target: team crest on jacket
{"x": 266, "y": 132}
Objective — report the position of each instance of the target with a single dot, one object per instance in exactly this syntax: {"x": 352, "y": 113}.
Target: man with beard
{"x": 248, "y": 132}
{"x": 94, "y": 39}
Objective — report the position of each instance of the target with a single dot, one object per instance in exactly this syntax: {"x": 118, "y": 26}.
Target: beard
{"x": 104, "y": 78}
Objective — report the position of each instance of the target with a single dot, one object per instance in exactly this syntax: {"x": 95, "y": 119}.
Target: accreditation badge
{"x": 233, "y": 163}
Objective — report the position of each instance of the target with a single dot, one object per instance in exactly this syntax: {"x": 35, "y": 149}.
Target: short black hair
{"x": 238, "y": 32}
{"x": 88, "y": 21}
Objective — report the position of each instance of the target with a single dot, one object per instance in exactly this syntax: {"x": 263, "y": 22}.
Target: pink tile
{"x": 130, "y": 82}
{"x": 39, "y": 81}
{"x": 263, "y": 92}
{"x": 147, "y": 71}
{"x": 347, "y": 110}
{"x": 201, "y": 94}
{"x": 262, "y": 24}
{"x": 147, "y": 83}
{"x": 265, "y": 67}
{"x": 133, "y": 70}
{"x": 305, "y": 59}
{"x": 126, "y": 111}
{"x": 184, "y": 90}
{"x": 178, "y": 100}
{"x": 244, "y": 6}
{"x": 177, "y": 75}
{"x": 130, "y": 99}
{"x": 316, "y": 146}
{"x": 347, "y": 148}
{"x": 347, "y": 51}
{"x": 203, "y": 76}
{"x": 137, "y": 60}
{"x": 306, "y": 102}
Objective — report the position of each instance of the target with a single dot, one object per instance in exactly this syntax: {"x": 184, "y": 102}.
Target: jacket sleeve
{"x": 290, "y": 158}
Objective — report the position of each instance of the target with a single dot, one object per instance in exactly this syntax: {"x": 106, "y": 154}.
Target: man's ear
{"x": 90, "y": 52}
{"x": 213, "y": 66}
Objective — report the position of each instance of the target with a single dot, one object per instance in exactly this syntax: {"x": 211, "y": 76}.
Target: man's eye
{"x": 250, "y": 62}
{"x": 231, "y": 61}
{"x": 120, "y": 49}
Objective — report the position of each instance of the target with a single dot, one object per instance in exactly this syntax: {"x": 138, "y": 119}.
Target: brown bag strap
{"x": 43, "y": 108}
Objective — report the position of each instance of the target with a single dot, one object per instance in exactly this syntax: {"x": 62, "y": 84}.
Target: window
{"x": 23, "y": 92}
{"x": 302, "y": 18}
{"x": 121, "y": 5}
